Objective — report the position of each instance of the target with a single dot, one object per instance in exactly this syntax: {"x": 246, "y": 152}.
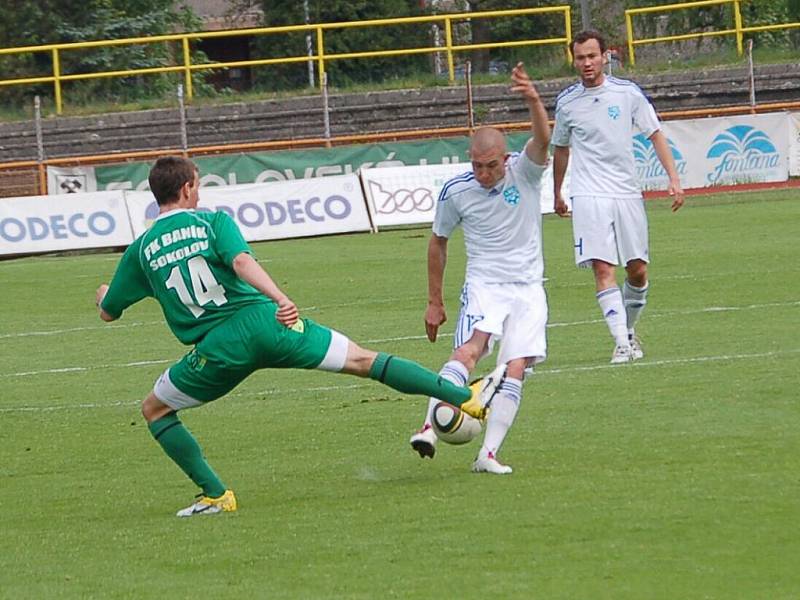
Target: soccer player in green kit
{"x": 215, "y": 296}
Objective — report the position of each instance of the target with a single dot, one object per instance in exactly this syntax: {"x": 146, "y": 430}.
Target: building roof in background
{"x": 227, "y": 14}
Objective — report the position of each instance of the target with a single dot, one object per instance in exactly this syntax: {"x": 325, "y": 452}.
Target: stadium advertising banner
{"x": 707, "y": 152}
{"x": 794, "y": 144}
{"x": 719, "y": 151}
{"x": 71, "y": 180}
{"x": 273, "y": 211}
{"x": 47, "y": 224}
{"x": 268, "y": 167}
{"x": 408, "y": 195}
{"x": 265, "y": 167}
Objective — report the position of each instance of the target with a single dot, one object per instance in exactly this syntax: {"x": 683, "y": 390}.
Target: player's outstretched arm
{"x": 246, "y": 267}
{"x": 560, "y": 161}
{"x": 540, "y": 128}
{"x": 664, "y": 154}
{"x": 435, "y": 315}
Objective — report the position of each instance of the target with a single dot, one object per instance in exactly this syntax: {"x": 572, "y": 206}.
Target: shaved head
{"x": 487, "y": 151}
{"x": 486, "y": 140}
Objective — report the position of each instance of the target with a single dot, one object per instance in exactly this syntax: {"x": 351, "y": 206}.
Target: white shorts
{"x": 613, "y": 230}
{"x": 515, "y": 313}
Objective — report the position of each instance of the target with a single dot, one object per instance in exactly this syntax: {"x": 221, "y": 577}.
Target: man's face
{"x": 589, "y": 61}
{"x": 489, "y": 167}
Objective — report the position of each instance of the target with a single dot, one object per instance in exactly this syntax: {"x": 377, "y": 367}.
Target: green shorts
{"x": 250, "y": 340}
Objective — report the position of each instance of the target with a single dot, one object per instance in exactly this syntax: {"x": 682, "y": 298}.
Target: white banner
{"x": 271, "y": 211}
{"x": 794, "y": 144}
{"x": 719, "y": 151}
{"x": 408, "y": 195}
{"x": 70, "y": 180}
{"x": 49, "y": 223}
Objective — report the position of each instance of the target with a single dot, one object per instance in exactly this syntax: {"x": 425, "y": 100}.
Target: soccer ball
{"x": 454, "y": 426}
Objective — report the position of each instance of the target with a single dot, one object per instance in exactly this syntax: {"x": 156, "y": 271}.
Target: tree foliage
{"x": 510, "y": 29}
{"x": 339, "y": 41}
{"x": 720, "y": 16}
{"x": 63, "y": 21}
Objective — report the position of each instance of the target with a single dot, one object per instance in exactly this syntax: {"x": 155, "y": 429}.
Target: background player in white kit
{"x": 498, "y": 206}
{"x": 598, "y": 118}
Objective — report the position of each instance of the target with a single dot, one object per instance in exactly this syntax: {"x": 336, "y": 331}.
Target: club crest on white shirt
{"x": 511, "y": 195}
{"x": 614, "y": 112}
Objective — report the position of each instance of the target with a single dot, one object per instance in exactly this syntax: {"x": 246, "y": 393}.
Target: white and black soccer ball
{"x": 454, "y": 426}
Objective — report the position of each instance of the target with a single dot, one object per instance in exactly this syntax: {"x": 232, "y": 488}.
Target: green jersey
{"x": 184, "y": 261}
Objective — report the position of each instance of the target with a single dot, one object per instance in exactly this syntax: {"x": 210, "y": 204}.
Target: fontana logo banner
{"x": 744, "y": 154}
{"x": 651, "y": 173}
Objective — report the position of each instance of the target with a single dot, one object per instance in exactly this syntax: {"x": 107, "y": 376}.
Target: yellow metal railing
{"x": 738, "y": 28}
{"x": 320, "y": 57}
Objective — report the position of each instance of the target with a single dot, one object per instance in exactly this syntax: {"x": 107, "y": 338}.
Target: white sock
{"x": 501, "y": 416}
{"x": 610, "y": 301}
{"x": 452, "y": 371}
{"x": 635, "y": 299}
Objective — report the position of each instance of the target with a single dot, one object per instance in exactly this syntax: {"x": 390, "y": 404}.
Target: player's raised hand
{"x": 522, "y": 83}
{"x": 287, "y": 313}
{"x": 435, "y": 316}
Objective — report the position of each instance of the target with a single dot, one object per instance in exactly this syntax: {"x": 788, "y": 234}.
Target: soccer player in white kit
{"x": 598, "y": 118}
{"x": 498, "y": 206}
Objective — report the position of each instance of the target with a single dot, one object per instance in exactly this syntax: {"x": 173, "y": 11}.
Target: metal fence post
{"x": 568, "y": 33}
{"x": 326, "y": 119}
{"x": 448, "y": 38}
{"x": 629, "y": 27}
{"x": 737, "y": 17}
{"x": 187, "y": 61}
{"x": 37, "y": 117}
{"x": 470, "y": 107}
{"x": 321, "y": 57}
{"x": 57, "y": 79}
{"x": 752, "y": 76}
{"x": 182, "y": 113}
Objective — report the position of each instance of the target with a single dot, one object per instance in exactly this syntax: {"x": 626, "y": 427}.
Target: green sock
{"x": 410, "y": 378}
{"x": 185, "y": 452}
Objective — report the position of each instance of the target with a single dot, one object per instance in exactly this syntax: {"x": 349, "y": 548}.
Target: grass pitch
{"x": 674, "y": 477}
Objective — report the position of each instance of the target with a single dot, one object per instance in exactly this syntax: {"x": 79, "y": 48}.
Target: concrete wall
{"x": 353, "y": 114}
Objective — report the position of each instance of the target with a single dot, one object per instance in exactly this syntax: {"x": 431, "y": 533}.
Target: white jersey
{"x": 502, "y": 225}
{"x": 599, "y": 123}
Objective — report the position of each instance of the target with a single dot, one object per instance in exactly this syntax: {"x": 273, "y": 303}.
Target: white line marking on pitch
{"x": 651, "y": 314}
{"x": 540, "y": 372}
{"x": 73, "y": 329}
{"x": 138, "y": 363}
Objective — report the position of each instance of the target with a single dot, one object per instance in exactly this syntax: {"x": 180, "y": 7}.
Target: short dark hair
{"x": 585, "y": 36}
{"x": 168, "y": 175}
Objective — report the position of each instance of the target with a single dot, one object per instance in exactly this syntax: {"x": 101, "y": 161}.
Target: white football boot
{"x": 636, "y": 348}
{"x": 622, "y": 354}
{"x": 489, "y": 464}
{"x": 210, "y": 506}
{"x": 424, "y": 441}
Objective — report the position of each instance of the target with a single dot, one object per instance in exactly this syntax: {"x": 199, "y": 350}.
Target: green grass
{"x": 674, "y": 477}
